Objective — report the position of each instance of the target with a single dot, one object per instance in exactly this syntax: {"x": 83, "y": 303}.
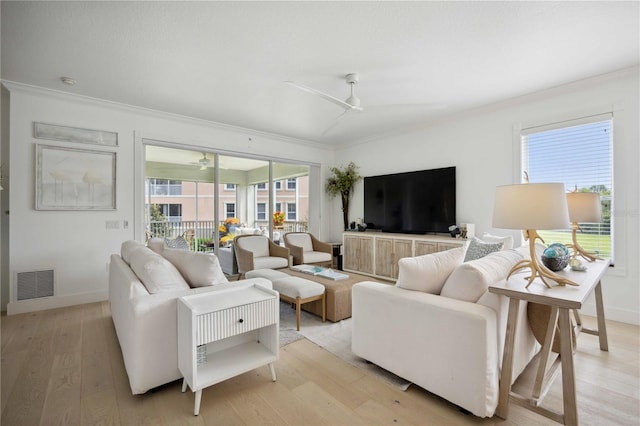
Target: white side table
{"x": 238, "y": 329}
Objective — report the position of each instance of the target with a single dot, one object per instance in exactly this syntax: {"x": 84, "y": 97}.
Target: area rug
{"x": 335, "y": 337}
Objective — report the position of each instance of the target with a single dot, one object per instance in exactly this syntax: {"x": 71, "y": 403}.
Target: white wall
{"x": 76, "y": 243}
{"x": 482, "y": 146}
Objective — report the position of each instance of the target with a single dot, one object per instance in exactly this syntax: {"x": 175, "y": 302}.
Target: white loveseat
{"x": 143, "y": 288}
{"x": 440, "y": 328}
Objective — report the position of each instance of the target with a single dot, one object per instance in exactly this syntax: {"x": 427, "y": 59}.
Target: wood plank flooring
{"x": 64, "y": 367}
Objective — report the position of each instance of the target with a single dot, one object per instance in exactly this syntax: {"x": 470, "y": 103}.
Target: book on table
{"x": 320, "y": 271}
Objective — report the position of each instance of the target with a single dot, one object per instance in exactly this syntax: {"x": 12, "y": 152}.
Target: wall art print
{"x": 74, "y": 134}
{"x": 75, "y": 179}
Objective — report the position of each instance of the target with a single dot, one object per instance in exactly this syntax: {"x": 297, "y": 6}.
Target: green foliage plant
{"x": 342, "y": 183}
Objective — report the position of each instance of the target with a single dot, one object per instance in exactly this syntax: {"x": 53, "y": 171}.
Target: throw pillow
{"x": 127, "y": 248}
{"x": 156, "y": 244}
{"x": 199, "y": 269}
{"x": 429, "y": 272}
{"x": 507, "y": 240}
{"x": 156, "y": 273}
{"x": 177, "y": 243}
{"x": 470, "y": 280}
{"x": 478, "y": 249}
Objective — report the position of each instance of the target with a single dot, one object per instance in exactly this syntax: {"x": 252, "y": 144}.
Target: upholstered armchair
{"x": 259, "y": 252}
{"x": 307, "y": 249}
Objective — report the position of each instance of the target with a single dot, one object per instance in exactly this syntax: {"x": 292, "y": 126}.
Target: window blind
{"x": 579, "y": 154}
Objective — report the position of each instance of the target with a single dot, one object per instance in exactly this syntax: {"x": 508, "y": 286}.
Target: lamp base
{"x": 538, "y": 269}
{"x": 577, "y": 250}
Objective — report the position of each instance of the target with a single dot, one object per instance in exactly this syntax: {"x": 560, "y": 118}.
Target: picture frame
{"x": 75, "y": 179}
{"x": 74, "y": 134}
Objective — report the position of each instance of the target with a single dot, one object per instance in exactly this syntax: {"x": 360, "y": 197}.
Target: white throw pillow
{"x": 155, "y": 272}
{"x": 127, "y": 248}
{"x": 507, "y": 240}
{"x": 199, "y": 269}
{"x": 156, "y": 244}
{"x": 428, "y": 273}
{"x": 478, "y": 249}
{"x": 470, "y": 280}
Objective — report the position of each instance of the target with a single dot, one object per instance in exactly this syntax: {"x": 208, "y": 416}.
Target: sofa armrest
{"x": 444, "y": 345}
{"x": 321, "y": 245}
{"x": 296, "y": 252}
{"x": 278, "y": 251}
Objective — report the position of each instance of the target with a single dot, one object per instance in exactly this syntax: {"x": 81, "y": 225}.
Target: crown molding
{"x": 14, "y": 86}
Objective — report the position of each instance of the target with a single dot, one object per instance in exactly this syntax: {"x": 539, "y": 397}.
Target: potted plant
{"x": 342, "y": 182}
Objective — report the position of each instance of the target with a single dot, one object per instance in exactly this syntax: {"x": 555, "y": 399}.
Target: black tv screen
{"x": 414, "y": 202}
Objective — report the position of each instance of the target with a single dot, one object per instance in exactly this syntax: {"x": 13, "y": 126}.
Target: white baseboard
{"x": 43, "y": 303}
{"x": 613, "y": 314}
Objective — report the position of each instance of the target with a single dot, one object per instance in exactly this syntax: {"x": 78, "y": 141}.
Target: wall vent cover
{"x": 34, "y": 284}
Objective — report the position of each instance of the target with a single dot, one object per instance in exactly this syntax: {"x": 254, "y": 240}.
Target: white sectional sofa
{"x": 440, "y": 328}
{"x": 143, "y": 288}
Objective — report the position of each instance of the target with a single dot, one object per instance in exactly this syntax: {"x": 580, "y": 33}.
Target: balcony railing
{"x": 204, "y": 229}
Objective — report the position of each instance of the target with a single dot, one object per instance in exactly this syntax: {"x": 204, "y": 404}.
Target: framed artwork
{"x": 75, "y": 179}
{"x": 73, "y": 134}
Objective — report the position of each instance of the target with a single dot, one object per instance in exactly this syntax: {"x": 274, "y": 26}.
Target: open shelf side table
{"x": 222, "y": 334}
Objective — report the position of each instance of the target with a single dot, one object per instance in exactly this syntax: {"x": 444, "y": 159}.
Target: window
{"x": 261, "y": 211}
{"x": 229, "y": 186}
{"x": 261, "y": 186}
{"x": 164, "y": 187}
{"x": 278, "y": 207}
{"x": 277, "y": 185}
{"x": 291, "y": 184}
{"x": 172, "y": 212}
{"x": 229, "y": 210}
{"x": 291, "y": 211}
{"x": 579, "y": 154}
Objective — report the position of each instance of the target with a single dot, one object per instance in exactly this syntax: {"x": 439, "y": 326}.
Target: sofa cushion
{"x": 270, "y": 262}
{"x": 127, "y": 248}
{"x": 470, "y": 280}
{"x": 259, "y": 245}
{"x": 316, "y": 257}
{"x": 155, "y": 272}
{"x": 300, "y": 240}
{"x": 198, "y": 269}
{"x": 429, "y": 272}
{"x": 507, "y": 240}
{"x": 156, "y": 244}
{"x": 478, "y": 249}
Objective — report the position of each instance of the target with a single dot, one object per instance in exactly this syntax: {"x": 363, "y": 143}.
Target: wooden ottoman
{"x": 338, "y": 294}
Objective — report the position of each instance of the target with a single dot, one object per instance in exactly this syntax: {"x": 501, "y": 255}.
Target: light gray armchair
{"x": 259, "y": 252}
{"x": 307, "y": 249}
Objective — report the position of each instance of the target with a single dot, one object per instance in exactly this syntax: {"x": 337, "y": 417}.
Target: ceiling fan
{"x": 352, "y": 103}
{"x": 203, "y": 162}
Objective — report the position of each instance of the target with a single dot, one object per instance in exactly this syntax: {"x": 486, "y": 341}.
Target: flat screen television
{"x": 418, "y": 202}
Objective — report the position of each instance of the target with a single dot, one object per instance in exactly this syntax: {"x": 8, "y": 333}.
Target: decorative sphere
{"x": 556, "y": 257}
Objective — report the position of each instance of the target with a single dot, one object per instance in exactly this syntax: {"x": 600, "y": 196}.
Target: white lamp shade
{"x": 531, "y": 206}
{"x": 584, "y": 207}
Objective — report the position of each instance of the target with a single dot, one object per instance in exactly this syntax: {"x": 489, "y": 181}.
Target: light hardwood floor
{"x": 64, "y": 367}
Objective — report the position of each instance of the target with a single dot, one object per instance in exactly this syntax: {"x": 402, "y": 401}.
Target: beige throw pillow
{"x": 199, "y": 269}
{"x": 155, "y": 272}
{"x": 428, "y": 273}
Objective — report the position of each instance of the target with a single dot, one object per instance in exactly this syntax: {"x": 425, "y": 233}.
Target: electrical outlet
{"x": 125, "y": 224}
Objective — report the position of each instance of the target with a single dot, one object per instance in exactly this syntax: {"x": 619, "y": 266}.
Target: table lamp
{"x": 583, "y": 207}
{"x": 532, "y": 206}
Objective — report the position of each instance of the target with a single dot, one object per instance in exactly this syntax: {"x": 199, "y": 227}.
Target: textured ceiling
{"x": 227, "y": 61}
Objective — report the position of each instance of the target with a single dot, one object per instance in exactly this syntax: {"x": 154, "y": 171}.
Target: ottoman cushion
{"x": 269, "y": 274}
{"x": 295, "y": 287}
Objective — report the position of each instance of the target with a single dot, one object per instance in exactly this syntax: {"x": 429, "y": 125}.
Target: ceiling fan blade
{"x": 338, "y": 118}
{"x": 327, "y": 97}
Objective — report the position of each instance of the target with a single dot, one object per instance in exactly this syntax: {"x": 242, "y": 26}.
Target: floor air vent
{"x": 34, "y": 284}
